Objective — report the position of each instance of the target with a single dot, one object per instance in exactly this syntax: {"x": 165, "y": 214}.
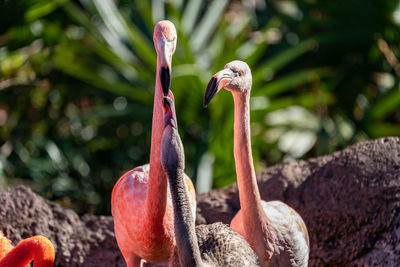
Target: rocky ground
{"x": 350, "y": 201}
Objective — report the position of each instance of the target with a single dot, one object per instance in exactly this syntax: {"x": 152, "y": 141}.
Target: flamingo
{"x": 141, "y": 202}
{"x": 275, "y": 231}
{"x": 203, "y": 245}
{"x": 37, "y": 248}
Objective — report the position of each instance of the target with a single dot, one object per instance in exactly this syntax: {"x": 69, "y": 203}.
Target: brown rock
{"x": 85, "y": 241}
{"x": 350, "y": 201}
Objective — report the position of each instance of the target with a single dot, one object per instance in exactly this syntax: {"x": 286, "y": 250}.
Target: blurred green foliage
{"x": 77, "y": 82}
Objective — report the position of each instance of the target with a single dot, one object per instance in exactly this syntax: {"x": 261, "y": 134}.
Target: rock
{"x": 85, "y": 241}
{"x": 350, "y": 201}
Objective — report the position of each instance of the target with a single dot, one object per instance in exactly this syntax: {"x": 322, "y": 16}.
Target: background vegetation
{"x": 77, "y": 82}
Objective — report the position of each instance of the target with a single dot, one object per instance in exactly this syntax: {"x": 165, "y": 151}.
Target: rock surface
{"x": 78, "y": 241}
{"x": 350, "y": 201}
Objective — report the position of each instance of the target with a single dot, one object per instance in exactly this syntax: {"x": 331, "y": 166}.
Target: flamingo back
{"x": 292, "y": 244}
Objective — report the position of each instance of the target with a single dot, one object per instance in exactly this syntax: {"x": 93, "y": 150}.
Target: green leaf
{"x": 42, "y": 9}
{"x": 292, "y": 81}
{"x": 277, "y": 62}
{"x": 385, "y": 105}
{"x": 63, "y": 62}
{"x": 379, "y": 129}
{"x": 306, "y": 100}
{"x": 157, "y": 10}
{"x": 190, "y": 15}
{"x": 208, "y": 24}
{"x": 116, "y": 23}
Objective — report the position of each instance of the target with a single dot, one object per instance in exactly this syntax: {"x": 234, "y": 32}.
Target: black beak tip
{"x": 165, "y": 78}
{"x": 210, "y": 91}
{"x": 205, "y": 102}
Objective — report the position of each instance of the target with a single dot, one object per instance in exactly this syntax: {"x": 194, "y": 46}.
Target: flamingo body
{"x": 133, "y": 234}
{"x": 291, "y": 231}
{"x": 36, "y": 248}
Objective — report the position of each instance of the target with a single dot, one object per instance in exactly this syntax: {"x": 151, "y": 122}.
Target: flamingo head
{"x": 164, "y": 38}
{"x": 235, "y": 77}
{"x": 172, "y": 153}
{"x": 169, "y": 113}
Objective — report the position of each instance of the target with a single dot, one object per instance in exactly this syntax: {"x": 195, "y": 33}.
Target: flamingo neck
{"x": 37, "y": 248}
{"x": 184, "y": 225}
{"x": 157, "y": 186}
{"x": 249, "y": 195}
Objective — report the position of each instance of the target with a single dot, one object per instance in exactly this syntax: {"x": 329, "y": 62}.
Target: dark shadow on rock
{"x": 350, "y": 201}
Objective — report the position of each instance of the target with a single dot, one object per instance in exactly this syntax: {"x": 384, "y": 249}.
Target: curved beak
{"x": 217, "y": 82}
{"x": 169, "y": 113}
{"x": 165, "y": 71}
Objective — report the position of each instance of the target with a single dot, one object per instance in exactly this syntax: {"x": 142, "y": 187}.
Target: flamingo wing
{"x": 130, "y": 223}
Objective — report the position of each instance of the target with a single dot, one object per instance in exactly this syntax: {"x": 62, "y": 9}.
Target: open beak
{"x": 165, "y": 72}
{"x": 217, "y": 82}
{"x": 169, "y": 112}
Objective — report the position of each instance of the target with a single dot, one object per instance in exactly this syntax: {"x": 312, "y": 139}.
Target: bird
{"x": 140, "y": 202}
{"x": 37, "y": 248}
{"x": 275, "y": 231}
{"x": 203, "y": 245}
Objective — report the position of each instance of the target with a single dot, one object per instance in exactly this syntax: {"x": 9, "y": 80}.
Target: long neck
{"x": 185, "y": 235}
{"x": 157, "y": 189}
{"x": 250, "y": 200}
{"x": 30, "y": 249}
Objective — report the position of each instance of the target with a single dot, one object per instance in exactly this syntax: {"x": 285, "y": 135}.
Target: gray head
{"x": 235, "y": 77}
{"x": 172, "y": 153}
{"x": 164, "y": 38}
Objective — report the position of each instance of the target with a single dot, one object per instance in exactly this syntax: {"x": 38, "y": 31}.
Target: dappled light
{"x": 77, "y": 86}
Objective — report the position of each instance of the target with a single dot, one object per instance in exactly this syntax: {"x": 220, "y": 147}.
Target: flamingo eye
{"x": 239, "y": 73}
{"x": 235, "y": 72}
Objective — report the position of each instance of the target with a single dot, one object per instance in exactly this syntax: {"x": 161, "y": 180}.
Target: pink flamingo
{"x": 37, "y": 248}
{"x": 141, "y": 202}
{"x": 275, "y": 231}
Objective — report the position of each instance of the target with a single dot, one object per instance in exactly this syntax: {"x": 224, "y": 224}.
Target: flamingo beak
{"x": 217, "y": 82}
{"x": 165, "y": 72}
{"x": 169, "y": 112}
